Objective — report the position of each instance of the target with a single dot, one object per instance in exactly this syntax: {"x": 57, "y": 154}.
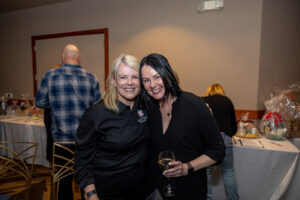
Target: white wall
{"x": 48, "y": 55}
{"x": 280, "y": 46}
{"x": 204, "y": 48}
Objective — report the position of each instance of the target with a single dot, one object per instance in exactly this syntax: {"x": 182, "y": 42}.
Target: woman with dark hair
{"x": 179, "y": 122}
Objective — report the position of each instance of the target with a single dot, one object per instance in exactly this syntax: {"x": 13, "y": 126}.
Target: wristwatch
{"x": 90, "y": 193}
{"x": 190, "y": 168}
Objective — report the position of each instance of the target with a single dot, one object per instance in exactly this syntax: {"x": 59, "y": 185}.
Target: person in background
{"x": 180, "y": 122}
{"x": 112, "y": 138}
{"x": 68, "y": 91}
{"x": 223, "y": 111}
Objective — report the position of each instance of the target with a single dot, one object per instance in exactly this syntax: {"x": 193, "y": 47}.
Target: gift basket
{"x": 247, "y": 128}
{"x": 282, "y": 112}
{"x": 272, "y": 126}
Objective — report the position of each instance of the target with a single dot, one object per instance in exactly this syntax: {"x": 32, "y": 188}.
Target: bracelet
{"x": 90, "y": 193}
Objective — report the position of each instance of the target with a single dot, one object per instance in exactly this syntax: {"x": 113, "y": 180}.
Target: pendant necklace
{"x": 168, "y": 106}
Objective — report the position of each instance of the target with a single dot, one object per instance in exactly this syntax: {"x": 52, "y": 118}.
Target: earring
{"x": 170, "y": 84}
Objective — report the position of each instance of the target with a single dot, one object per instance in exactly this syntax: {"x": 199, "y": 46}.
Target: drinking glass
{"x": 164, "y": 159}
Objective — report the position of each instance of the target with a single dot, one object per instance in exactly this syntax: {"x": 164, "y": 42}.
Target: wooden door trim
{"x": 66, "y": 34}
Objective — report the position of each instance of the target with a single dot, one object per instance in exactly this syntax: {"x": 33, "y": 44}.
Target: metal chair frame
{"x": 61, "y": 171}
{"x": 15, "y": 163}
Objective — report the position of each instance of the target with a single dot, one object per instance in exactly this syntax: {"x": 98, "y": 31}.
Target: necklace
{"x": 167, "y": 108}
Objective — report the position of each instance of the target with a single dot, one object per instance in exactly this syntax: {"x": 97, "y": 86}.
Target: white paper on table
{"x": 250, "y": 143}
{"x": 282, "y": 145}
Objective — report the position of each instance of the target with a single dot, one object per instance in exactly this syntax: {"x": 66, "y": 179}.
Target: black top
{"x": 191, "y": 133}
{"x": 108, "y": 143}
{"x": 224, "y": 113}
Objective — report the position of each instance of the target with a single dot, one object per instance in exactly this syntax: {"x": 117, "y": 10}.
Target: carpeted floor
{"x": 16, "y": 189}
{"x": 40, "y": 188}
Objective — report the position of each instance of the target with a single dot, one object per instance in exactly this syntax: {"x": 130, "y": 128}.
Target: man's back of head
{"x": 68, "y": 91}
{"x": 71, "y": 55}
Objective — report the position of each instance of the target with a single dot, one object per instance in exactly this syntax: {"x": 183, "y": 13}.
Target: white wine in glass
{"x": 164, "y": 159}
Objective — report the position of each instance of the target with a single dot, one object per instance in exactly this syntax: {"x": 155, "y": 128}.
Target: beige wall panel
{"x": 280, "y": 46}
{"x": 216, "y": 46}
{"x": 91, "y": 48}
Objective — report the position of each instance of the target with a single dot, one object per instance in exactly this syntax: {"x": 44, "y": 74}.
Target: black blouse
{"x": 191, "y": 133}
{"x": 223, "y": 112}
{"x": 109, "y": 143}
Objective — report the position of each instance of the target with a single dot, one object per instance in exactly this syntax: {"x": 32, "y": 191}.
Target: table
{"x": 294, "y": 187}
{"x": 25, "y": 129}
{"x": 263, "y": 169}
{"x": 295, "y": 141}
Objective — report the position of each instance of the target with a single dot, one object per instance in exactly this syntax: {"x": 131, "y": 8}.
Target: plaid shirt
{"x": 68, "y": 90}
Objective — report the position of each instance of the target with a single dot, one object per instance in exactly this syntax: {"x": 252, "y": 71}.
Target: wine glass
{"x": 164, "y": 159}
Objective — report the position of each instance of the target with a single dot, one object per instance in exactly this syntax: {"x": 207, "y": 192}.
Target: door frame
{"x": 66, "y": 34}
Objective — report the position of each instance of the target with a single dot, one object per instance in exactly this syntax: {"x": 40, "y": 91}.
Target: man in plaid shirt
{"x": 68, "y": 90}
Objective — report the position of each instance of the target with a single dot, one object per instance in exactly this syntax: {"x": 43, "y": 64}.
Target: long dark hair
{"x": 170, "y": 79}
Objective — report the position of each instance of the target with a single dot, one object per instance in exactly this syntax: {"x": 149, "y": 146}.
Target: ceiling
{"x": 13, "y": 5}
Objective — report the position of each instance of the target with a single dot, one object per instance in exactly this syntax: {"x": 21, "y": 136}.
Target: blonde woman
{"x": 112, "y": 138}
{"x": 223, "y": 111}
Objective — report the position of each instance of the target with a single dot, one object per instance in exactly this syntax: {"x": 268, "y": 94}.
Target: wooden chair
{"x": 14, "y": 164}
{"x": 61, "y": 166}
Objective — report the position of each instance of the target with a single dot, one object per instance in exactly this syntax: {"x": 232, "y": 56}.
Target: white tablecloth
{"x": 25, "y": 129}
{"x": 294, "y": 186}
{"x": 263, "y": 169}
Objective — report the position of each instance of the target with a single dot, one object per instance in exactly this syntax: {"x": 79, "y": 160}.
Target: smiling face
{"x": 127, "y": 84}
{"x": 153, "y": 82}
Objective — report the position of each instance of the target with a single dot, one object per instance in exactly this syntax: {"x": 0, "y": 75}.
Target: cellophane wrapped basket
{"x": 247, "y": 128}
{"x": 285, "y": 101}
{"x": 272, "y": 126}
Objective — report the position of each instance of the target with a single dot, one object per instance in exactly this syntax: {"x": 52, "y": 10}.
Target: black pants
{"x": 65, "y": 185}
{"x": 126, "y": 186}
{"x": 47, "y": 122}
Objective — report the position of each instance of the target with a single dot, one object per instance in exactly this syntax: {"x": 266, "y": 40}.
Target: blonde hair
{"x": 214, "y": 89}
{"x": 56, "y": 66}
{"x": 110, "y": 96}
